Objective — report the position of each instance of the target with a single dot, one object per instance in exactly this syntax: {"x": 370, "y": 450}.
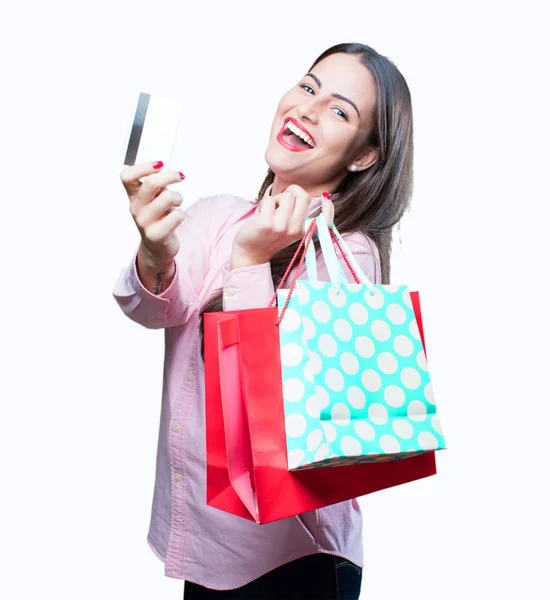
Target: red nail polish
{"x": 181, "y": 175}
{"x": 326, "y": 195}
{"x": 158, "y": 164}
{"x": 283, "y": 190}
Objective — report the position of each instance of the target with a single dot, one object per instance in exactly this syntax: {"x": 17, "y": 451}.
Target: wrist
{"x": 151, "y": 261}
{"x": 241, "y": 258}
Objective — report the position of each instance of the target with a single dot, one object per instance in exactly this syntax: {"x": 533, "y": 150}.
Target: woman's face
{"x": 333, "y": 106}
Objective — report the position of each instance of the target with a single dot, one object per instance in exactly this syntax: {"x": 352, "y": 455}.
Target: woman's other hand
{"x": 278, "y": 223}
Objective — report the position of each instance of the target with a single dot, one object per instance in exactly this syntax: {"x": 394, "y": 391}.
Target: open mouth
{"x": 294, "y": 138}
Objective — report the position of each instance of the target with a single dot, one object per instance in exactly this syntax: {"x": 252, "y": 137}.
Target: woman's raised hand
{"x": 152, "y": 207}
{"x": 278, "y": 223}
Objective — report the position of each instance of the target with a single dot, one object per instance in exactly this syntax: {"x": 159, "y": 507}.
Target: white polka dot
{"x": 295, "y": 425}
{"x": 403, "y": 428}
{"x": 389, "y": 444}
{"x": 436, "y": 424}
{"x": 358, "y": 313}
{"x": 343, "y": 330}
{"x": 356, "y": 397}
{"x": 283, "y": 294}
{"x": 394, "y": 396}
{"x": 291, "y": 320}
{"x": 349, "y": 363}
{"x": 413, "y": 328}
{"x": 410, "y": 378}
{"x": 391, "y": 288}
{"x": 403, "y": 345}
{"x": 364, "y": 346}
{"x": 396, "y": 314}
{"x": 323, "y": 397}
{"x": 421, "y": 360}
{"x": 334, "y": 380}
{"x": 303, "y": 293}
{"x": 353, "y": 287}
{"x": 380, "y": 330}
{"x": 371, "y": 380}
{"x": 295, "y": 458}
{"x": 387, "y": 362}
{"x": 293, "y": 390}
{"x": 340, "y": 414}
{"x": 317, "y": 285}
{"x": 373, "y": 452}
{"x": 350, "y": 446}
{"x": 308, "y": 372}
{"x": 406, "y": 296}
{"x": 312, "y": 407}
{"x": 328, "y": 345}
{"x": 364, "y": 430}
{"x": 322, "y": 453}
{"x": 375, "y": 300}
{"x": 315, "y": 363}
{"x": 337, "y": 297}
{"x": 291, "y": 355}
{"x": 378, "y": 413}
{"x": 330, "y": 431}
{"x": 309, "y": 329}
{"x": 314, "y": 439}
{"x": 427, "y": 441}
{"x": 321, "y": 311}
{"x": 429, "y": 394}
{"x": 416, "y": 410}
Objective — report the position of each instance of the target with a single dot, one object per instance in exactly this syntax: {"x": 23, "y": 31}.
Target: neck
{"x": 313, "y": 189}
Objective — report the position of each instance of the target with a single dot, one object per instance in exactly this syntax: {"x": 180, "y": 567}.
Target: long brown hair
{"x": 371, "y": 201}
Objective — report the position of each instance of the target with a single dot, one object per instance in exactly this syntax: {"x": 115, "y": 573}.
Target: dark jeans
{"x": 313, "y": 577}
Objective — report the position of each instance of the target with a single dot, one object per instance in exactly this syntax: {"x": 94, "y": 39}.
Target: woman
{"x": 345, "y": 129}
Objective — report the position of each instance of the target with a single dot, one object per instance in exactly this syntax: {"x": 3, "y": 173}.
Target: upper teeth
{"x": 297, "y": 131}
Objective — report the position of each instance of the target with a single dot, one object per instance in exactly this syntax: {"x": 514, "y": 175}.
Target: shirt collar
{"x": 316, "y": 201}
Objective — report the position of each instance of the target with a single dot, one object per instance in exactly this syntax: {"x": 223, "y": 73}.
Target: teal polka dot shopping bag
{"x": 356, "y": 383}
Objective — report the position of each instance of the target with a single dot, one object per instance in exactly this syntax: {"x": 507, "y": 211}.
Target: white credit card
{"x": 154, "y": 130}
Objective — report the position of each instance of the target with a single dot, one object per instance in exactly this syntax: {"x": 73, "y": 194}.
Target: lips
{"x": 286, "y": 142}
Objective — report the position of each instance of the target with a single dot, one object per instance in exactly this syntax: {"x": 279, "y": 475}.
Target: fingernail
{"x": 326, "y": 195}
{"x": 283, "y": 190}
{"x": 158, "y": 164}
{"x": 181, "y": 175}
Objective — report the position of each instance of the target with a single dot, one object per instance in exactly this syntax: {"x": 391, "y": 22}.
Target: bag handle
{"x": 326, "y": 239}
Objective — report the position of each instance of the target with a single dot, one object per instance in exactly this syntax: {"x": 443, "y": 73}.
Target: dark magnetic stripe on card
{"x": 137, "y": 129}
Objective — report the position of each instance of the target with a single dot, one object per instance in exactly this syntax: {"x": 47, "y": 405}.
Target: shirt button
{"x": 177, "y": 427}
{"x": 189, "y": 376}
{"x": 178, "y": 477}
{"x": 230, "y": 291}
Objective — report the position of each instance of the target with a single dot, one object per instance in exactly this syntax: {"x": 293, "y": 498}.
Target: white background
{"x": 81, "y": 383}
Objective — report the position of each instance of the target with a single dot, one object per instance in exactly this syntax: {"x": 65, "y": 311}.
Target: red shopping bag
{"x": 247, "y": 470}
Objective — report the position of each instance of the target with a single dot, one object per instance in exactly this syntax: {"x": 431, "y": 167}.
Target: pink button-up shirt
{"x": 196, "y": 542}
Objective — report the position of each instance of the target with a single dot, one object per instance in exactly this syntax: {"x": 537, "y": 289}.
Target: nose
{"x": 308, "y": 111}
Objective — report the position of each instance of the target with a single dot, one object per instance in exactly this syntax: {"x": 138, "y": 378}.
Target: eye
{"x": 343, "y": 114}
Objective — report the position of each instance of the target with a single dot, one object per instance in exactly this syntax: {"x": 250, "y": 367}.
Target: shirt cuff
{"x": 247, "y": 287}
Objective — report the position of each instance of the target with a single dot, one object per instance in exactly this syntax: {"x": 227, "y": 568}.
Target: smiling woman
{"x": 340, "y": 143}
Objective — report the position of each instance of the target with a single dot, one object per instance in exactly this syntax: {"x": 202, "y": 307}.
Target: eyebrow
{"x": 334, "y": 95}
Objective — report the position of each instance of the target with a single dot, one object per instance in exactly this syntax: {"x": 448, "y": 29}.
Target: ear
{"x": 366, "y": 159}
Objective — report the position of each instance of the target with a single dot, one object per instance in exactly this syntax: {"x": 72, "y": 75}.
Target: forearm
{"x": 155, "y": 276}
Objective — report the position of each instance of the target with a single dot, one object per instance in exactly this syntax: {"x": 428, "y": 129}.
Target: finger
{"x": 284, "y": 212}
{"x": 153, "y": 185}
{"x": 160, "y": 230}
{"x": 301, "y": 209}
{"x": 162, "y": 204}
{"x": 130, "y": 176}
{"x": 328, "y": 209}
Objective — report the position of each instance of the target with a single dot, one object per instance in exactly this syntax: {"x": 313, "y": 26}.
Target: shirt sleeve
{"x": 178, "y": 301}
